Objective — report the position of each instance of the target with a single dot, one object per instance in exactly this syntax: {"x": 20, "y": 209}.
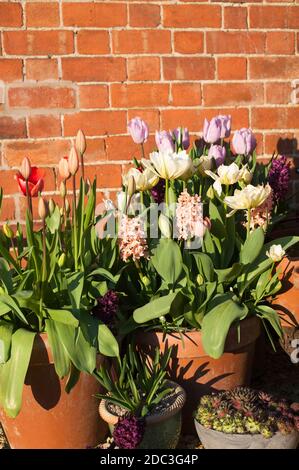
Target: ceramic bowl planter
{"x": 212, "y": 439}
{"x": 162, "y": 430}
{"x": 200, "y": 374}
{"x": 51, "y": 418}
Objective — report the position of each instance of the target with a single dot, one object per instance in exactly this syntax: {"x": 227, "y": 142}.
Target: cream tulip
{"x": 144, "y": 180}
{"x": 245, "y": 175}
{"x": 249, "y": 197}
{"x": 169, "y": 165}
{"x": 276, "y": 253}
{"x": 226, "y": 174}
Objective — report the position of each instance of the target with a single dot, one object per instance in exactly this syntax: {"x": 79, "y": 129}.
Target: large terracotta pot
{"x": 200, "y": 374}
{"x": 50, "y": 418}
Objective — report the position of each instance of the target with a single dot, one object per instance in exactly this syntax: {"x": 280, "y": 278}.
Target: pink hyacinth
{"x": 261, "y": 216}
{"x": 190, "y": 221}
{"x": 132, "y": 239}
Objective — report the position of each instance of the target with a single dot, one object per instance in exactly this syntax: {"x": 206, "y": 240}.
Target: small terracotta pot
{"x": 198, "y": 373}
{"x": 50, "y": 418}
{"x": 162, "y": 430}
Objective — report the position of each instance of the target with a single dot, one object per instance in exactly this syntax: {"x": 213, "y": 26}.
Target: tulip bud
{"x": 145, "y": 280}
{"x": 25, "y": 169}
{"x": 73, "y": 161}
{"x": 87, "y": 186}
{"x": 63, "y": 168}
{"x": 165, "y": 226}
{"x": 131, "y": 186}
{"x": 7, "y": 231}
{"x": 51, "y": 206}
{"x": 210, "y": 193}
{"x": 199, "y": 279}
{"x": 80, "y": 142}
{"x": 61, "y": 260}
{"x": 42, "y": 209}
{"x": 162, "y": 319}
{"x": 19, "y": 232}
{"x": 62, "y": 189}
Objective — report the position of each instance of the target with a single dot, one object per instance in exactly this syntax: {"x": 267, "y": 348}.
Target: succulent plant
{"x": 247, "y": 411}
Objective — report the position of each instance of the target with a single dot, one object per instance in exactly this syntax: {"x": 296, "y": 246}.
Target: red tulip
{"x": 35, "y": 182}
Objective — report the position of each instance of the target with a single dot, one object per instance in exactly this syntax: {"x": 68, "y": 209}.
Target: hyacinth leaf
{"x": 108, "y": 345}
{"x": 61, "y": 359}
{"x": 167, "y": 260}
{"x": 6, "y": 330}
{"x": 268, "y": 313}
{"x": 154, "y": 309}
{"x": 252, "y": 246}
{"x": 217, "y": 322}
{"x": 13, "y": 372}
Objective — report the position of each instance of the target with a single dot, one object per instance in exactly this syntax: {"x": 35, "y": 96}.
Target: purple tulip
{"x": 164, "y": 141}
{"x": 218, "y": 153}
{"x": 226, "y": 121}
{"x": 244, "y": 142}
{"x": 212, "y": 130}
{"x": 138, "y": 129}
{"x": 182, "y": 137}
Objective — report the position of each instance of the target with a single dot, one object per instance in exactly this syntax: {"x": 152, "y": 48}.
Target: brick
{"x": 275, "y": 118}
{"x": 10, "y": 14}
{"x": 151, "y": 116}
{"x": 95, "y": 150}
{"x": 143, "y": 68}
{"x": 41, "y": 69}
{"x": 219, "y": 42}
{"x": 94, "y": 14}
{"x": 232, "y": 68}
{"x": 11, "y": 69}
{"x": 144, "y": 15}
{"x": 280, "y": 42}
{"x": 100, "y": 69}
{"x": 192, "y": 16}
{"x": 134, "y": 95}
{"x": 108, "y": 176}
{"x": 188, "y": 42}
{"x": 285, "y": 143}
{"x": 8, "y": 182}
{"x": 42, "y": 14}
{"x": 182, "y": 68}
{"x": 185, "y": 94}
{"x": 141, "y": 41}
{"x": 272, "y": 17}
{"x": 41, "y": 152}
{"x": 93, "y": 96}
{"x": 95, "y": 123}
{"x": 114, "y": 144}
{"x": 278, "y": 93}
{"x": 11, "y": 128}
{"x": 235, "y": 17}
{"x": 8, "y": 209}
{"x": 44, "y": 126}
{"x": 93, "y": 42}
{"x": 274, "y": 67}
{"x": 216, "y": 94}
{"x": 41, "y": 97}
{"x": 38, "y": 42}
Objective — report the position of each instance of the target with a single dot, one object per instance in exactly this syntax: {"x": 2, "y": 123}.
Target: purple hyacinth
{"x": 107, "y": 307}
{"x": 158, "y": 192}
{"x": 128, "y": 432}
{"x": 279, "y": 178}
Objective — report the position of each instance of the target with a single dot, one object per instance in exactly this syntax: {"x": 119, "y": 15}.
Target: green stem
{"x": 14, "y": 249}
{"x": 43, "y": 279}
{"x": 82, "y": 165}
{"x": 141, "y": 200}
{"x": 166, "y": 192}
{"x": 75, "y": 224}
{"x": 142, "y": 151}
{"x": 29, "y": 201}
{"x": 248, "y": 221}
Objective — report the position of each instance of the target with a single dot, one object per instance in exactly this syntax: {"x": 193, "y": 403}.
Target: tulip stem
{"x": 166, "y": 192}
{"x": 44, "y": 264}
{"x": 142, "y": 150}
{"x": 248, "y": 222}
{"x": 141, "y": 200}
{"x": 29, "y": 201}
{"x": 82, "y": 165}
{"x": 75, "y": 223}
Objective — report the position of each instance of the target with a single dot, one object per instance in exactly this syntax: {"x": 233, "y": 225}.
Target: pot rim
{"x": 172, "y": 410}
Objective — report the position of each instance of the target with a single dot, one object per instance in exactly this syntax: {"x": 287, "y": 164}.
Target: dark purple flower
{"x": 128, "y": 432}
{"x": 158, "y": 192}
{"x": 106, "y": 308}
{"x": 279, "y": 178}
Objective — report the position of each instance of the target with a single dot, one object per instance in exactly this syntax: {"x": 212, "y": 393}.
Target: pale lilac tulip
{"x": 244, "y": 142}
{"x": 138, "y": 129}
{"x": 218, "y": 153}
{"x": 182, "y": 137}
{"x": 212, "y": 130}
{"x": 226, "y": 121}
{"x": 164, "y": 141}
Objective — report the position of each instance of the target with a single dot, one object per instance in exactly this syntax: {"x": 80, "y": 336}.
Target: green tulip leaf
{"x": 167, "y": 260}
{"x": 108, "y": 345}
{"x": 154, "y": 309}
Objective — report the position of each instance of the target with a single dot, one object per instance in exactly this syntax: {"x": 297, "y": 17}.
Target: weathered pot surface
{"x": 212, "y": 439}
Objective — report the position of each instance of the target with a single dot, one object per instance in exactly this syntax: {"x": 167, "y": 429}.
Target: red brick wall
{"x": 96, "y": 64}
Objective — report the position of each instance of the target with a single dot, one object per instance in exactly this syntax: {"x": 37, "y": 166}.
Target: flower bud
{"x": 7, "y": 231}
{"x": 19, "y": 232}
{"x": 87, "y": 186}
{"x": 42, "y": 209}
{"x": 210, "y": 192}
{"x": 62, "y": 189}
{"x": 61, "y": 260}
{"x": 131, "y": 186}
{"x": 80, "y": 142}
{"x": 63, "y": 168}
{"x": 73, "y": 161}
{"x": 51, "y": 206}
{"x": 145, "y": 281}
{"x": 199, "y": 279}
{"x": 25, "y": 169}
{"x": 165, "y": 226}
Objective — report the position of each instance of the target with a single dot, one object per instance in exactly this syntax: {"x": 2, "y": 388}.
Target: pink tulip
{"x": 182, "y": 137}
{"x": 73, "y": 161}
{"x": 138, "y": 129}
{"x": 63, "y": 168}
{"x": 244, "y": 142}
{"x": 212, "y": 130}
{"x": 218, "y": 153}
{"x": 225, "y": 125}
{"x": 164, "y": 141}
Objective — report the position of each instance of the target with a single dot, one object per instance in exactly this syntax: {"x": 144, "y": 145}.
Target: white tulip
{"x": 276, "y": 253}
{"x": 226, "y": 174}
{"x": 245, "y": 175}
{"x": 169, "y": 165}
{"x": 122, "y": 202}
{"x": 205, "y": 163}
{"x": 165, "y": 226}
{"x": 144, "y": 180}
{"x": 249, "y": 197}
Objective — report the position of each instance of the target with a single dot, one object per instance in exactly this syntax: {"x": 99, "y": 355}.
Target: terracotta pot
{"x": 200, "y": 374}
{"x": 286, "y": 301}
{"x": 162, "y": 430}
{"x": 50, "y": 418}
